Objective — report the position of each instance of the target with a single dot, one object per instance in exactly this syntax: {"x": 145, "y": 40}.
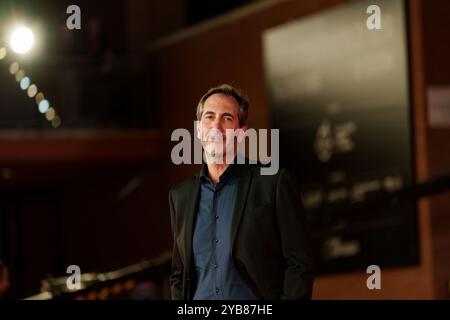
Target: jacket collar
{"x": 245, "y": 177}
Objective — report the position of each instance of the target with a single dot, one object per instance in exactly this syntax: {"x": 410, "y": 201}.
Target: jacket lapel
{"x": 245, "y": 177}
{"x": 190, "y": 213}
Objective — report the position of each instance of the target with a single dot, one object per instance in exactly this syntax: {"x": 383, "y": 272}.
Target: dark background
{"x": 93, "y": 192}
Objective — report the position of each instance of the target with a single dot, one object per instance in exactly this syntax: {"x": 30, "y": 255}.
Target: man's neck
{"x": 215, "y": 170}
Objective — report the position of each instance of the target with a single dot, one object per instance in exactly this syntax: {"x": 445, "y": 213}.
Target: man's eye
{"x": 228, "y": 119}
{"x": 208, "y": 117}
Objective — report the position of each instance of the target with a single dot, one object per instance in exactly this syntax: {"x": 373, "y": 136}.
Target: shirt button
{"x": 215, "y": 266}
{"x": 217, "y": 217}
{"x": 216, "y": 241}
{"x": 217, "y": 290}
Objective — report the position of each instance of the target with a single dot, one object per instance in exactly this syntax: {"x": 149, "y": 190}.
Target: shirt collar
{"x": 226, "y": 175}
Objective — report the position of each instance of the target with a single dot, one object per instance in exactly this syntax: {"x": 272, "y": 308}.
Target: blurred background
{"x": 86, "y": 117}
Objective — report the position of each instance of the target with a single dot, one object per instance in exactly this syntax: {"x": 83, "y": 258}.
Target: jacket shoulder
{"x": 183, "y": 187}
{"x": 257, "y": 171}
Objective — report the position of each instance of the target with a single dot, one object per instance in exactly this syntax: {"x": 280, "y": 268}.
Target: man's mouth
{"x": 214, "y": 139}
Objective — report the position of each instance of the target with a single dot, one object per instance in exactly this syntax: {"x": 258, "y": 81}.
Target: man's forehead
{"x": 220, "y": 102}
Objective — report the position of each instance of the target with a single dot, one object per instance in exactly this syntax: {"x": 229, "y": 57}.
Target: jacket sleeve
{"x": 298, "y": 274}
{"x": 176, "y": 275}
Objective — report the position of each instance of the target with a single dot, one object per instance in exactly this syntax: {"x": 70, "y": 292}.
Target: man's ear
{"x": 242, "y": 133}
{"x": 199, "y": 127}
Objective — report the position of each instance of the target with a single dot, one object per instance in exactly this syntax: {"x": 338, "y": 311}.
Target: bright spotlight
{"x": 22, "y": 40}
{"x": 25, "y": 83}
{"x": 43, "y": 106}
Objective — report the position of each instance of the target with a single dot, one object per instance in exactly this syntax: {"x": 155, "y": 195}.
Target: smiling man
{"x": 237, "y": 234}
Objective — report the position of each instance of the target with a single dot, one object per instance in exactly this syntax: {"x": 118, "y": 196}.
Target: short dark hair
{"x": 231, "y": 91}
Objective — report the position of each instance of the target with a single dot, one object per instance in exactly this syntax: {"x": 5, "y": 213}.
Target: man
{"x": 237, "y": 234}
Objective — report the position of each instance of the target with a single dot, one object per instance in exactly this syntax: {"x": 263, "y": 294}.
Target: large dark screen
{"x": 339, "y": 93}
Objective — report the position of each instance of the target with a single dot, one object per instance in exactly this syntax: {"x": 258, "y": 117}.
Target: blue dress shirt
{"x": 217, "y": 277}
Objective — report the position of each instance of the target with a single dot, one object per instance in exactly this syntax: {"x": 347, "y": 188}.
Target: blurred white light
{"x": 39, "y": 97}
{"x": 56, "y": 122}
{"x": 21, "y": 40}
{"x": 14, "y": 68}
{"x": 50, "y": 114}
{"x": 20, "y": 75}
{"x": 2, "y": 53}
{"x": 43, "y": 106}
{"x": 25, "y": 83}
{"x": 32, "y": 90}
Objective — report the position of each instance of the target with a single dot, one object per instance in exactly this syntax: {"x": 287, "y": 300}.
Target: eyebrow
{"x": 223, "y": 115}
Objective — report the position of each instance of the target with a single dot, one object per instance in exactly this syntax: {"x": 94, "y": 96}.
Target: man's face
{"x": 218, "y": 125}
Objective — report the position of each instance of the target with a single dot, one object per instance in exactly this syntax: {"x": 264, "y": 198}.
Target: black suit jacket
{"x": 267, "y": 233}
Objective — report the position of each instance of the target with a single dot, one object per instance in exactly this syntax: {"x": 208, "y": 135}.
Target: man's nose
{"x": 217, "y": 124}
